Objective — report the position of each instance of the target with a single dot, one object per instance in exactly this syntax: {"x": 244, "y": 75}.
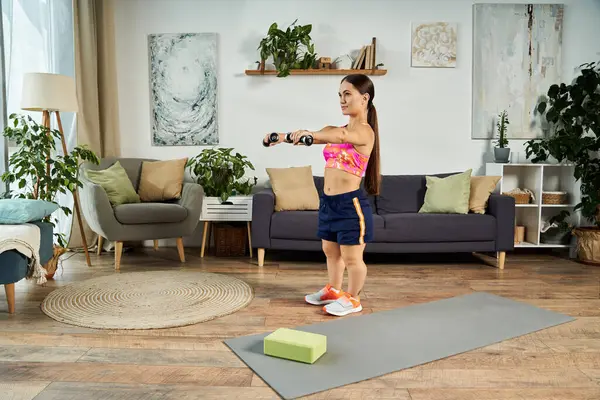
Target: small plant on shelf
{"x": 502, "y": 151}
{"x": 221, "y": 173}
{"x": 290, "y": 49}
{"x": 572, "y": 111}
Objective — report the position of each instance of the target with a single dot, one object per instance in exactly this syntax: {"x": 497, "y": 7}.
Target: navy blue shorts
{"x": 346, "y": 218}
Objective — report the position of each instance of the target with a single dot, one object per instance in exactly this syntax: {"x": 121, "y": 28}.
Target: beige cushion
{"x": 162, "y": 180}
{"x": 481, "y": 189}
{"x": 294, "y": 188}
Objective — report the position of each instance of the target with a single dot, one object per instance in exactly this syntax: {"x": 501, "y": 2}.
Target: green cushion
{"x": 116, "y": 184}
{"x": 449, "y": 195}
{"x": 295, "y": 345}
{"x": 21, "y": 211}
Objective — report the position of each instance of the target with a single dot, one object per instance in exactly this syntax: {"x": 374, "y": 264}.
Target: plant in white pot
{"x": 221, "y": 173}
{"x": 501, "y": 151}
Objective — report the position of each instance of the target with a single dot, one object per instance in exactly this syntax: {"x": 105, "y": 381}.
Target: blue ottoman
{"x": 13, "y": 265}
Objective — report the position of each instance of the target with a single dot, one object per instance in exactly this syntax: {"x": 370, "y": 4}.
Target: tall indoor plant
{"x": 38, "y": 171}
{"x": 290, "y": 49}
{"x": 221, "y": 173}
{"x": 574, "y": 119}
{"x": 502, "y": 151}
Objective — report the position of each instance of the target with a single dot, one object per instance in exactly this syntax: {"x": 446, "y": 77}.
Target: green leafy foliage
{"x": 573, "y": 114}
{"x": 291, "y": 49}
{"x": 221, "y": 173}
{"x": 37, "y": 169}
{"x": 502, "y": 124}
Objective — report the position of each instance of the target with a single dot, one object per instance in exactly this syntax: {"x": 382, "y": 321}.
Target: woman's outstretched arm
{"x": 360, "y": 135}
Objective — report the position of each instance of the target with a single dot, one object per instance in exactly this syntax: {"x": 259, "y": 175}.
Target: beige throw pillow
{"x": 162, "y": 180}
{"x": 294, "y": 188}
{"x": 481, "y": 189}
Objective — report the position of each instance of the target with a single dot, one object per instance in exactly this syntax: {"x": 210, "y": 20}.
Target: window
{"x": 37, "y": 36}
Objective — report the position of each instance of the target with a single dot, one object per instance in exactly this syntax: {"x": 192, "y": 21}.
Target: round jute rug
{"x": 147, "y": 300}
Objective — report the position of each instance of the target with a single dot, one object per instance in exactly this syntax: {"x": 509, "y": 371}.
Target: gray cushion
{"x": 415, "y": 227}
{"x": 150, "y": 213}
{"x": 402, "y": 193}
{"x": 303, "y": 225}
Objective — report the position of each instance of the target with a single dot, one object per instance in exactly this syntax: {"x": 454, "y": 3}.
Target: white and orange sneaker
{"x": 324, "y": 296}
{"x": 344, "y": 305}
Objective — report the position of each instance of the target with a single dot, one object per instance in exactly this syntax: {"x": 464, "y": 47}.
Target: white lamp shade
{"x": 51, "y": 92}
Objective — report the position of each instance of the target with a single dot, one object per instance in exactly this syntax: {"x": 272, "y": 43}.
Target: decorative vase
{"x": 588, "y": 244}
{"x": 52, "y": 264}
{"x": 501, "y": 154}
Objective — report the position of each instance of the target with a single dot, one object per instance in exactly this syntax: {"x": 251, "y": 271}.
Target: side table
{"x": 237, "y": 208}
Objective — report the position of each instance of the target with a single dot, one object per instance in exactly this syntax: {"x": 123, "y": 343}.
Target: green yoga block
{"x": 295, "y": 345}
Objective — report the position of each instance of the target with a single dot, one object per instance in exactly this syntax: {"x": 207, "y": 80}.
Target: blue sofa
{"x": 13, "y": 265}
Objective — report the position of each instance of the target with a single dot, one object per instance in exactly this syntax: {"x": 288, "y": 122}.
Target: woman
{"x": 345, "y": 215}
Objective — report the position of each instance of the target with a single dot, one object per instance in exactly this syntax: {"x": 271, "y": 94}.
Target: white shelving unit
{"x": 538, "y": 178}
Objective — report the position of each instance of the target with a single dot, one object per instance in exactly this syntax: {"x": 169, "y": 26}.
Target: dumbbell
{"x": 307, "y": 140}
{"x": 273, "y": 138}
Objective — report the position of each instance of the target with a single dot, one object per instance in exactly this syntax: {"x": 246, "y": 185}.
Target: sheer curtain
{"x": 38, "y": 37}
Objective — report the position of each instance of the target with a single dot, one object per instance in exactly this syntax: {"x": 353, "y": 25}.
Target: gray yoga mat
{"x": 371, "y": 345}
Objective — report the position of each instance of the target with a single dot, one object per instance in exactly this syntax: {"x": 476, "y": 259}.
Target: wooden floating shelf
{"x": 316, "y": 71}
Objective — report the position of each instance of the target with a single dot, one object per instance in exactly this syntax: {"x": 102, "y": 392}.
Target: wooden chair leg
{"x": 261, "y": 257}
{"x": 118, "y": 252}
{"x": 9, "y": 288}
{"x": 180, "y": 249}
{"x": 156, "y": 245}
{"x": 100, "y": 242}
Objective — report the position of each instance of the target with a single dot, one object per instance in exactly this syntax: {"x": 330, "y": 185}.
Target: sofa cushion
{"x": 481, "y": 189}
{"x": 449, "y": 195}
{"x": 162, "y": 180}
{"x": 20, "y": 211}
{"x": 116, "y": 183}
{"x": 150, "y": 213}
{"x": 402, "y": 193}
{"x": 294, "y": 188}
{"x": 415, "y": 227}
{"x": 303, "y": 225}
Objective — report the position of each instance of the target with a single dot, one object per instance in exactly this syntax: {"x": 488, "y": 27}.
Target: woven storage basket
{"x": 520, "y": 198}
{"x": 230, "y": 240}
{"x": 553, "y": 197}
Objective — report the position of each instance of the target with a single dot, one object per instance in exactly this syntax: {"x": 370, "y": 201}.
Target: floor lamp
{"x": 53, "y": 93}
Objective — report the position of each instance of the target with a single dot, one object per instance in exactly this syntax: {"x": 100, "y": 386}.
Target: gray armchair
{"x": 138, "y": 221}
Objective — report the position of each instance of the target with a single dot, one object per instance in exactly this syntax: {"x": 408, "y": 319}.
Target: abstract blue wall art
{"x": 183, "y": 89}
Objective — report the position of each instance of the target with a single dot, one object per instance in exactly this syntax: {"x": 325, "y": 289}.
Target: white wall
{"x": 418, "y": 108}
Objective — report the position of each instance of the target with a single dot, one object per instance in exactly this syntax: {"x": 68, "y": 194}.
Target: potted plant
{"x": 221, "y": 173}
{"x": 573, "y": 117}
{"x": 557, "y": 230}
{"x": 40, "y": 173}
{"x": 290, "y": 49}
{"x": 501, "y": 151}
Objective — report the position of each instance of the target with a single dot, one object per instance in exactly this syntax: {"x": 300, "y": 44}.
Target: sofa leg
{"x": 100, "y": 241}
{"x": 501, "y": 256}
{"x": 261, "y": 257}
{"x": 118, "y": 252}
{"x": 180, "y": 249}
{"x": 9, "y": 288}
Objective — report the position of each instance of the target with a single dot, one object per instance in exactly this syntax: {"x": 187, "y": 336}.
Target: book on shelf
{"x": 366, "y": 56}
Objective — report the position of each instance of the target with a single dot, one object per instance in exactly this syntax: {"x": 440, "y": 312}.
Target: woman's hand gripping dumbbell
{"x": 274, "y": 138}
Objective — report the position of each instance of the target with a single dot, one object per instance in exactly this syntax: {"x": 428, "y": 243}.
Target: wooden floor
{"x": 44, "y": 359}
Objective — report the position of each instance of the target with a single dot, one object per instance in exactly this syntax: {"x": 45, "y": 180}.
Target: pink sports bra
{"x": 345, "y": 157}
